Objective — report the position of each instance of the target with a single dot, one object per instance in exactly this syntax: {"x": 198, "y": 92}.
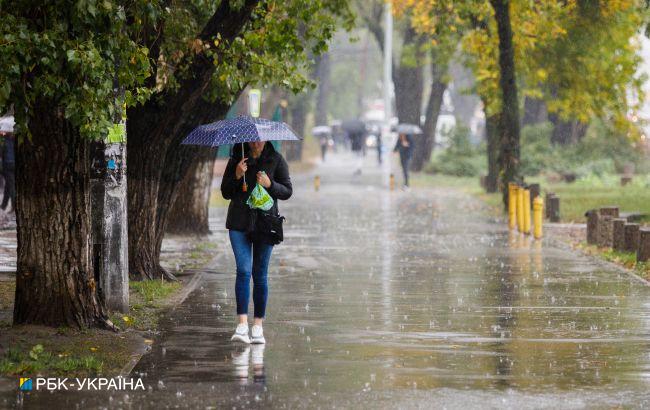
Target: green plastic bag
{"x": 259, "y": 199}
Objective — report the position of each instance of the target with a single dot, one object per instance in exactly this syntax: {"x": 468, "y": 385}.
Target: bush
{"x": 536, "y": 149}
{"x": 461, "y": 158}
{"x": 602, "y": 151}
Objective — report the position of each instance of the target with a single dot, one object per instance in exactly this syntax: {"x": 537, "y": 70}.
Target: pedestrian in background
{"x": 356, "y": 141}
{"x": 404, "y": 146}
{"x": 9, "y": 171}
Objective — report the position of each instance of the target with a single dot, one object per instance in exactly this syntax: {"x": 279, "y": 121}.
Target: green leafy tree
{"x": 197, "y": 78}
{"x": 58, "y": 64}
{"x": 181, "y": 64}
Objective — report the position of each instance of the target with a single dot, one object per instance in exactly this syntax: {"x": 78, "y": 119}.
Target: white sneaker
{"x": 241, "y": 334}
{"x": 257, "y": 335}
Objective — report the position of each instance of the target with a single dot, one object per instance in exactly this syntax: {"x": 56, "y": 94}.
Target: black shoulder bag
{"x": 265, "y": 227}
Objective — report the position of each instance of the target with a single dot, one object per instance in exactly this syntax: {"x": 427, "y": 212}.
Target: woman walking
{"x": 258, "y": 162}
{"x": 404, "y": 146}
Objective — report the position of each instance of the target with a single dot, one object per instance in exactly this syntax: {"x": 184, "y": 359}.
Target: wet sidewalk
{"x": 413, "y": 299}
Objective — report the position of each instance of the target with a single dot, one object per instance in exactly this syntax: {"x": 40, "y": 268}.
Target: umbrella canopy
{"x": 7, "y": 124}
{"x": 408, "y": 129}
{"x": 354, "y": 126}
{"x": 321, "y": 130}
{"x": 239, "y": 130}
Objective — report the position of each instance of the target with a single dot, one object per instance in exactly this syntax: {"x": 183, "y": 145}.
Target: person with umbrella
{"x": 252, "y": 159}
{"x": 8, "y": 162}
{"x": 404, "y": 146}
{"x": 356, "y": 130}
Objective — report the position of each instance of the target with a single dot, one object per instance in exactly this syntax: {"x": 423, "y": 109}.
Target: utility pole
{"x": 109, "y": 214}
{"x": 388, "y": 83}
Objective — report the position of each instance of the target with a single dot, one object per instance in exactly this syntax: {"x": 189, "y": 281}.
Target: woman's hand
{"x": 263, "y": 179}
{"x": 241, "y": 169}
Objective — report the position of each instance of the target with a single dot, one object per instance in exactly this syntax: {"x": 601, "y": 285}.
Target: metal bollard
{"x": 512, "y": 205}
{"x": 520, "y": 209}
{"x": 391, "y": 182}
{"x": 538, "y": 216}
{"x": 526, "y": 211}
{"x": 317, "y": 182}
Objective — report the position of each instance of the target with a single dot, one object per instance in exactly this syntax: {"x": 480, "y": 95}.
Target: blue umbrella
{"x": 240, "y": 130}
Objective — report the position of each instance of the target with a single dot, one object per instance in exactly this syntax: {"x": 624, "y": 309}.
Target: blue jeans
{"x": 251, "y": 258}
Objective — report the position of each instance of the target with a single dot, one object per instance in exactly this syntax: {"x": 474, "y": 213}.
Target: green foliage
{"x": 68, "y": 55}
{"x": 18, "y": 362}
{"x": 603, "y": 151}
{"x": 154, "y": 290}
{"x": 461, "y": 158}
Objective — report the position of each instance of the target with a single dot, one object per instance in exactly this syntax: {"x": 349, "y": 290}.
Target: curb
{"x": 173, "y": 302}
{"x": 599, "y": 261}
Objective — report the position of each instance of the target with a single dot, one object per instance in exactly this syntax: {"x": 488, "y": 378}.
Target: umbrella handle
{"x": 244, "y": 187}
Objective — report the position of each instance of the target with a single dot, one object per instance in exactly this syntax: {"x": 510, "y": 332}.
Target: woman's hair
{"x": 236, "y": 153}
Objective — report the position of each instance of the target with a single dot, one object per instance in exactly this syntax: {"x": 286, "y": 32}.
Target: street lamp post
{"x": 388, "y": 82}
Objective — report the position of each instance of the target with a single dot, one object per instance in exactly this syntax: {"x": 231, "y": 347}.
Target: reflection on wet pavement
{"x": 403, "y": 299}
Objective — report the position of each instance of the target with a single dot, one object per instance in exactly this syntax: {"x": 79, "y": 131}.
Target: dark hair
{"x": 235, "y": 151}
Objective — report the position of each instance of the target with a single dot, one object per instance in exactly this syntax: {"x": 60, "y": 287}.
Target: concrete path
{"x": 413, "y": 299}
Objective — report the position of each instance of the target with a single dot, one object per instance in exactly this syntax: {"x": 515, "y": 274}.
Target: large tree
{"x": 535, "y": 42}
{"x": 180, "y": 64}
{"x": 58, "y": 65}
{"x": 238, "y": 43}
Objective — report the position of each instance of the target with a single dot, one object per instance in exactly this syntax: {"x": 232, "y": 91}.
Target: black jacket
{"x": 405, "y": 152}
{"x": 271, "y": 162}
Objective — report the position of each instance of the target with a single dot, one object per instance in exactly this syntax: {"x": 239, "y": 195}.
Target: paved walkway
{"x": 413, "y": 299}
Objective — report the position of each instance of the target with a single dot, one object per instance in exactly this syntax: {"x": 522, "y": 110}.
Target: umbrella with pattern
{"x": 239, "y": 130}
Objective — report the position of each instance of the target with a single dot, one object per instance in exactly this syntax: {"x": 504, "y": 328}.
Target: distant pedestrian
{"x": 9, "y": 171}
{"x": 380, "y": 147}
{"x": 356, "y": 141}
{"x": 262, "y": 163}
{"x": 404, "y": 147}
{"x": 324, "y": 141}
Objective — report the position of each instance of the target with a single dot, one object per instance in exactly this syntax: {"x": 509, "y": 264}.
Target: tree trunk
{"x": 534, "y": 111}
{"x": 566, "y": 132}
{"x": 409, "y": 82}
{"x": 509, "y": 121}
{"x": 189, "y": 213}
{"x": 298, "y": 113}
{"x": 55, "y": 283}
{"x": 492, "y": 136}
{"x": 426, "y": 143}
{"x": 323, "y": 69}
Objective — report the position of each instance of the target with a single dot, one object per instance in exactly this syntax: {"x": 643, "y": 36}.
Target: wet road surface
{"x": 414, "y": 299}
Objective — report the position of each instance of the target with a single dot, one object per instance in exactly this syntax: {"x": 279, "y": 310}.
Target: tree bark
{"x": 298, "y": 114}
{"x": 155, "y": 130}
{"x": 492, "y": 137}
{"x": 426, "y": 143}
{"x": 189, "y": 212}
{"x": 409, "y": 82}
{"x": 55, "y": 283}
{"x": 566, "y": 132}
{"x": 534, "y": 111}
{"x": 323, "y": 70}
{"x": 509, "y": 121}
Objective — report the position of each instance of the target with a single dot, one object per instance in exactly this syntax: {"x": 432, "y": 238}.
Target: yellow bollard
{"x": 520, "y": 209}
{"x": 512, "y": 205}
{"x": 317, "y": 182}
{"x": 538, "y": 212}
{"x": 392, "y": 182}
{"x": 526, "y": 211}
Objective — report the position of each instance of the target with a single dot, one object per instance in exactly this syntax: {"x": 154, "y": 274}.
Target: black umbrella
{"x": 354, "y": 126}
